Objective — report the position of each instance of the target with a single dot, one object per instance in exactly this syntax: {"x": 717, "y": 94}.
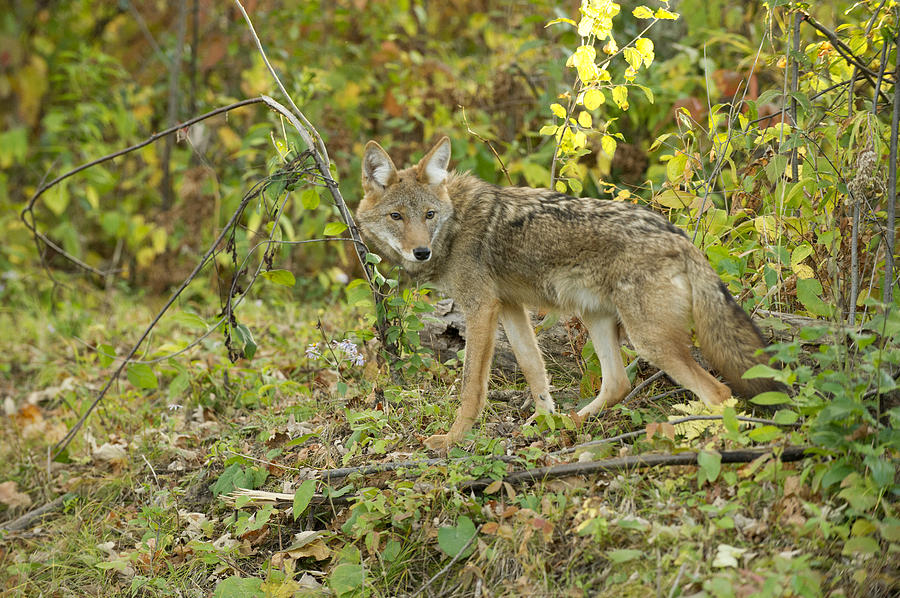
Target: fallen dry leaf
{"x": 111, "y": 453}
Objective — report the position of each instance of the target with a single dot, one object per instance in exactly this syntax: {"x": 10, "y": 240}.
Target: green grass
{"x": 146, "y": 523}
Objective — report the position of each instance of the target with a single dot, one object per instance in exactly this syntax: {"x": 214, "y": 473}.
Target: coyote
{"x": 495, "y": 250}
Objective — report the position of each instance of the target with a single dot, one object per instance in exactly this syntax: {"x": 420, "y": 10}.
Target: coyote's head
{"x": 403, "y": 212}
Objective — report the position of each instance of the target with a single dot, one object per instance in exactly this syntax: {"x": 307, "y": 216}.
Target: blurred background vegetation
{"x": 81, "y": 79}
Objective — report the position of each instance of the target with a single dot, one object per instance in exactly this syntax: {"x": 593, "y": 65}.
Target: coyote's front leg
{"x": 481, "y": 329}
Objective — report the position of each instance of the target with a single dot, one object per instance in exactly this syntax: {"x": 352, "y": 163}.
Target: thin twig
{"x": 887, "y": 293}
{"x": 64, "y": 442}
{"x": 25, "y": 520}
{"x": 488, "y": 143}
{"x": 28, "y": 212}
{"x": 153, "y": 471}
{"x": 215, "y": 325}
{"x": 856, "y": 69}
{"x": 677, "y": 580}
{"x": 446, "y": 568}
{"x": 795, "y": 86}
{"x": 643, "y": 385}
{"x": 168, "y": 193}
{"x": 845, "y": 51}
{"x": 319, "y": 145}
{"x": 323, "y": 163}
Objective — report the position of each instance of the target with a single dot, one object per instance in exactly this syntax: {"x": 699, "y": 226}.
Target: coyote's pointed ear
{"x": 378, "y": 169}
{"x": 432, "y": 169}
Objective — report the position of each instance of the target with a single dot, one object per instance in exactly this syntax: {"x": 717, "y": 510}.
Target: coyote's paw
{"x": 439, "y": 442}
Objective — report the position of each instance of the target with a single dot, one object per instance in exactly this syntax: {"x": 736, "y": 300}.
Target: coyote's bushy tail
{"x": 728, "y": 338}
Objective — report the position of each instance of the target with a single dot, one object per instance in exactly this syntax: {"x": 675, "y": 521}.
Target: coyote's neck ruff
{"x": 496, "y": 250}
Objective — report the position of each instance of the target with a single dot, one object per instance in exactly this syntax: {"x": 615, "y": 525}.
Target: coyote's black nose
{"x": 422, "y": 253}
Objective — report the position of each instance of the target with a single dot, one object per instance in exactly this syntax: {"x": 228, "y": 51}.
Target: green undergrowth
{"x": 145, "y": 481}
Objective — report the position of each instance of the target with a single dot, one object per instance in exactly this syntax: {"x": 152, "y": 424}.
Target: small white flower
{"x": 313, "y": 352}
{"x": 175, "y": 407}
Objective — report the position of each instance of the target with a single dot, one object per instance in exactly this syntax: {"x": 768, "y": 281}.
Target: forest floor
{"x": 142, "y": 492}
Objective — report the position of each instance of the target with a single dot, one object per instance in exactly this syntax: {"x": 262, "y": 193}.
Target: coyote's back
{"x": 496, "y": 249}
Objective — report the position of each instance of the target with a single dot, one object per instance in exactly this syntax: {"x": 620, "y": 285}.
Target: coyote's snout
{"x": 496, "y": 250}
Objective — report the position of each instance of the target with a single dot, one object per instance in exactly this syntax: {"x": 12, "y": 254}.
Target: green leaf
{"x": 236, "y": 476}
{"x": 105, "y": 355}
{"x": 863, "y": 544}
{"x": 882, "y": 470}
{"x": 786, "y": 416}
{"x": 658, "y": 141}
{"x": 730, "y": 420}
{"x": 623, "y": 555}
{"x": 710, "y": 464}
{"x": 335, "y": 228}
{"x": 771, "y": 397}
{"x": 346, "y": 579}
{"x": 246, "y": 337}
{"x": 302, "y": 496}
{"x": 809, "y": 291}
{"x": 391, "y": 551}
{"x": 190, "y": 320}
{"x": 283, "y": 277}
{"x": 453, "y": 539}
{"x": 675, "y": 167}
{"x": 142, "y": 376}
{"x": 309, "y": 199}
{"x": 239, "y": 587}
{"x": 760, "y": 370}
{"x": 647, "y": 92}
{"x": 764, "y": 434}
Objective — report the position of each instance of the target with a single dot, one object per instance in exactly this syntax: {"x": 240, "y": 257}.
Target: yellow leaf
{"x": 620, "y": 96}
{"x": 670, "y": 198}
{"x": 803, "y": 271}
{"x": 580, "y": 140}
{"x": 560, "y": 186}
{"x": 585, "y": 120}
{"x": 645, "y": 47}
{"x": 642, "y": 12}
{"x": 662, "y": 13}
{"x": 611, "y": 47}
{"x": 558, "y": 110}
{"x": 608, "y": 142}
{"x": 633, "y": 57}
{"x": 583, "y": 60}
{"x": 593, "y": 98}
{"x": 585, "y": 26}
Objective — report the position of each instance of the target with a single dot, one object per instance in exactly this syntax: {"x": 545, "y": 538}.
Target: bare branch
{"x": 540, "y": 474}
{"x": 28, "y": 212}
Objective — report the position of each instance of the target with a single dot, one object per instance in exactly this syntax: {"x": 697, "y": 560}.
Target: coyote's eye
{"x": 429, "y": 214}
{"x": 396, "y": 216}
